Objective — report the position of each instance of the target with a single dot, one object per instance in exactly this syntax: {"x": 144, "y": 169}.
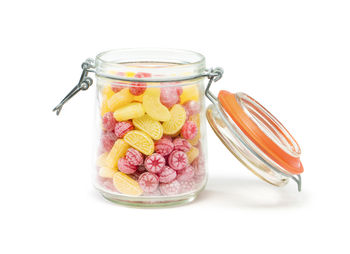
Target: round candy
{"x": 108, "y": 121}
{"x": 125, "y": 167}
{"x": 181, "y": 144}
{"x": 185, "y": 174}
{"x": 172, "y": 188}
{"x": 108, "y": 139}
{"x": 116, "y": 88}
{"x": 141, "y": 168}
{"x": 121, "y": 128}
{"x": 179, "y": 90}
{"x": 167, "y": 175}
{"x": 192, "y": 108}
{"x": 178, "y": 160}
{"x": 199, "y": 166}
{"x": 148, "y": 182}
{"x": 164, "y": 146}
{"x": 169, "y": 96}
{"x": 189, "y": 130}
{"x": 134, "y": 157}
{"x": 137, "y": 89}
{"x": 154, "y": 163}
{"x": 187, "y": 185}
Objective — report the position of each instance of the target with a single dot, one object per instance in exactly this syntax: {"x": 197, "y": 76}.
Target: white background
{"x": 293, "y": 56}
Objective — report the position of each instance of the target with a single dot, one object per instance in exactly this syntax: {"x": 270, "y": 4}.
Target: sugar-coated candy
{"x": 108, "y": 121}
{"x": 104, "y": 107}
{"x": 153, "y": 107}
{"x": 125, "y": 167}
{"x": 140, "y": 141}
{"x": 107, "y": 172}
{"x": 167, "y": 175}
{"x": 176, "y": 121}
{"x": 141, "y": 168}
{"x": 181, "y": 144}
{"x": 179, "y": 90}
{"x": 189, "y": 93}
{"x": 121, "y": 128}
{"x": 189, "y": 130}
{"x": 116, "y": 88}
{"x": 102, "y": 160}
{"x": 120, "y": 99}
{"x": 134, "y": 157}
{"x": 154, "y": 163}
{"x": 199, "y": 166}
{"x": 149, "y": 125}
{"x": 164, "y": 146}
{"x": 129, "y": 111}
{"x": 148, "y": 182}
{"x": 107, "y": 91}
{"x": 171, "y": 188}
{"x": 169, "y": 96}
{"x": 178, "y": 160}
{"x": 187, "y": 185}
{"x": 108, "y": 138}
{"x": 126, "y": 185}
{"x": 118, "y": 150}
{"x": 192, "y": 154}
{"x": 192, "y": 108}
{"x": 137, "y": 89}
{"x": 185, "y": 174}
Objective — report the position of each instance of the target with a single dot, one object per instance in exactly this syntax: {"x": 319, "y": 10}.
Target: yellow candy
{"x": 140, "y": 141}
{"x": 177, "y": 120}
{"x": 130, "y": 111}
{"x": 120, "y": 99}
{"x": 196, "y": 119}
{"x": 195, "y": 140}
{"x": 101, "y": 160}
{"x": 153, "y": 107}
{"x": 118, "y": 150}
{"x": 189, "y": 93}
{"x": 107, "y": 172}
{"x": 107, "y": 92}
{"x": 192, "y": 154}
{"x": 129, "y": 74}
{"x": 126, "y": 185}
{"x": 104, "y": 107}
{"x": 149, "y": 125}
{"x": 138, "y": 98}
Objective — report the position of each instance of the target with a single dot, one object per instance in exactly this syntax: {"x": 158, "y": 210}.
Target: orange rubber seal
{"x": 290, "y": 163}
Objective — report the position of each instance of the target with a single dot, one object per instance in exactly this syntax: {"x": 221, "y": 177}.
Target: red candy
{"x": 187, "y": 185}
{"x": 154, "y": 163}
{"x": 185, "y": 174}
{"x": 141, "y": 168}
{"x": 121, "y": 128}
{"x": 134, "y": 157}
{"x": 125, "y": 167}
{"x": 108, "y": 121}
{"x": 192, "y": 108}
{"x": 189, "y": 130}
{"x": 143, "y": 75}
{"x": 164, "y": 146}
{"x": 172, "y": 188}
{"x": 116, "y": 88}
{"x": 179, "y": 90}
{"x": 169, "y": 96}
{"x": 107, "y": 140}
{"x": 181, "y": 144}
{"x": 167, "y": 175}
{"x": 137, "y": 89}
{"x": 178, "y": 160}
{"x": 148, "y": 182}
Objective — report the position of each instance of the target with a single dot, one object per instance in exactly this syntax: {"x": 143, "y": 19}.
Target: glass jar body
{"x": 151, "y": 135}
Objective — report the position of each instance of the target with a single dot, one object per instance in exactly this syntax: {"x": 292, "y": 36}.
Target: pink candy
{"x": 185, "y": 174}
{"x": 121, "y": 128}
{"x": 169, "y": 96}
{"x": 134, "y": 157}
{"x": 181, "y": 144}
{"x": 137, "y": 89}
{"x": 199, "y": 166}
{"x": 167, "y": 175}
{"x": 148, "y": 182}
{"x": 189, "y": 130}
{"x": 107, "y": 140}
{"x": 154, "y": 163}
{"x": 172, "y": 188}
{"x": 164, "y": 146}
{"x": 178, "y": 160}
{"x": 187, "y": 185}
{"x": 125, "y": 167}
{"x": 192, "y": 108}
{"x": 108, "y": 121}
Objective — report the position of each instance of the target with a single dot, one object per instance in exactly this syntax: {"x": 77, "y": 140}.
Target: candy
{"x": 118, "y": 150}
{"x": 196, "y": 119}
{"x": 172, "y": 188}
{"x": 149, "y": 125}
{"x": 140, "y": 141}
{"x": 116, "y": 88}
{"x": 187, "y": 185}
{"x": 176, "y": 121}
{"x": 104, "y": 107}
{"x": 154, "y": 163}
{"x": 169, "y": 96}
{"x": 189, "y": 130}
{"x": 192, "y": 154}
{"x": 195, "y": 140}
{"x": 126, "y": 185}
{"x": 125, "y": 167}
{"x": 137, "y": 89}
{"x": 120, "y": 99}
{"x": 108, "y": 121}
{"x": 138, "y": 98}
{"x": 167, "y": 175}
{"x": 107, "y": 140}
{"x": 107, "y": 183}
{"x": 189, "y": 93}
{"x": 148, "y": 182}
{"x": 164, "y": 146}
{"x": 132, "y": 110}
{"x": 107, "y": 92}
{"x": 141, "y": 168}
{"x": 178, "y": 160}
{"x": 153, "y": 107}
{"x": 101, "y": 160}
{"x": 185, "y": 174}
{"x": 181, "y": 144}
{"x": 192, "y": 108}
{"x": 134, "y": 157}
{"x": 199, "y": 166}
{"x": 179, "y": 90}
{"x": 121, "y": 128}
{"x": 107, "y": 172}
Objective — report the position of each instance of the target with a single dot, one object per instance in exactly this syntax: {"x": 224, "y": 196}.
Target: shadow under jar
{"x": 151, "y": 135}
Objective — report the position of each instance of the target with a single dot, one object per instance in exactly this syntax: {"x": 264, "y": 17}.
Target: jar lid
{"x": 255, "y": 137}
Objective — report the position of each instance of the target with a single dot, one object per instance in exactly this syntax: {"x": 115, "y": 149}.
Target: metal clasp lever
{"x": 84, "y": 83}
